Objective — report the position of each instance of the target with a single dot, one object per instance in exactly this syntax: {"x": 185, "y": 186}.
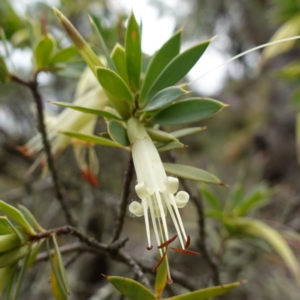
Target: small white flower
{"x": 155, "y": 189}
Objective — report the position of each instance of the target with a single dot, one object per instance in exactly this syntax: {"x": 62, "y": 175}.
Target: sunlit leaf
{"x": 133, "y": 53}
{"x": 118, "y": 57}
{"x": 131, "y": 288}
{"x": 44, "y": 51}
{"x": 191, "y": 173}
{"x": 187, "y": 111}
{"x": 118, "y": 133}
{"x": 159, "y": 61}
{"x": 207, "y": 293}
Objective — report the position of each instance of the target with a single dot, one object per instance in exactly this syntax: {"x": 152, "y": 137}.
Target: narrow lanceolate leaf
{"x": 259, "y": 229}
{"x": 97, "y": 112}
{"x": 161, "y": 279}
{"x": 131, "y": 288}
{"x": 9, "y": 241}
{"x": 85, "y": 50}
{"x": 64, "y": 55}
{"x": 118, "y": 57}
{"x": 159, "y": 61}
{"x": 102, "y": 43}
{"x": 34, "y": 252}
{"x": 165, "y": 97}
{"x": 160, "y": 136}
{"x": 93, "y": 139}
{"x": 191, "y": 173}
{"x": 30, "y": 218}
{"x": 16, "y": 215}
{"x": 5, "y": 227}
{"x": 117, "y": 91}
{"x": 187, "y": 111}
{"x": 207, "y": 293}
{"x": 118, "y": 133}
{"x": 187, "y": 131}
{"x": 170, "y": 146}
{"x": 5, "y": 275}
{"x": 43, "y": 51}
{"x": 12, "y": 256}
{"x": 133, "y": 53}
{"x": 177, "y": 68}
{"x": 210, "y": 198}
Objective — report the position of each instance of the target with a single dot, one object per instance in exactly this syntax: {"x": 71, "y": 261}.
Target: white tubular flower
{"x": 90, "y": 94}
{"x": 155, "y": 189}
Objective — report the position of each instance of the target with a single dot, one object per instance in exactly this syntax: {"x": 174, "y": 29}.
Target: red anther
{"x": 88, "y": 176}
{"x": 188, "y": 241}
{"x": 167, "y": 242}
{"x": 159, "y": 262}
{"x": 26, "y": 151}
{"x": 185, "y": 251}
{"x": 150, "y": 248}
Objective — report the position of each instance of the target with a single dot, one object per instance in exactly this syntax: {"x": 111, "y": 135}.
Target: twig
{"x": 33, "y": 86}
{"x": 124, "y": 201}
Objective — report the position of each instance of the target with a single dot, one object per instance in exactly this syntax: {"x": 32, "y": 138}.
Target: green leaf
{"x": 118, "y": 57}
{"x": 118, "y": 133}
{"x": 187, "y": 131}
{"x": 191, "y": 173}
{"x": 160, "y": 136}
{"x": 34, "y": 252}
{"x": 91, "y": 138}
{"x": 210, "y": 198}
{"x": 5, "y": 275}
{"x": 97, "y": 112}
{"x": 207, "y": 293}
{"x": 30, "y": 218}
{"x": 117, "y": 91}
{"x": 11, "y": 283}
{"x": 4, "y": 74}
{"x": 165, "y": 97}
{"x": 170, "y": 146}
{"x": 131, "y": 288}
{"x": 16, "y": 215}
{"x": 161, "y": 279}
{"x": 298, "y": 136}
{"x": 159, "y": 61}
{"x": 5, "y": 227}
{"x": 64, "y": 55}
{"x": 187, "y": 111}
{"x": 21, "y": 276}
{"x": 236, "y": 194}
{"x": 133, "y": 53}
{"x": 110, "y": 62}
{"x": 43, "y": 51}
{"x": 9, "y": 241}
{"x": 10, "y": 257}
{"x": 178, "y": 67}
{"x": 254, "y": 199}
{"x": 259, "y": 229}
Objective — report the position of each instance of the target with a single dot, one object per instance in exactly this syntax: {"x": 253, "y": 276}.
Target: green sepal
{"x": 133, "y": 53}
{"x": 191, "y": 173}
{"x": 187, "y": 111}
{"x": 118, "y": 133}
{"x": 131, "y": 288}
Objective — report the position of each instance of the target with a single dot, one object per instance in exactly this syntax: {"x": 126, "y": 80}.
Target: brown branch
{"x": 33, "y": 86}
{"x": 124, "y": 200}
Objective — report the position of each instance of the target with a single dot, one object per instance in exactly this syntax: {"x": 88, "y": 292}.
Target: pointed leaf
{"x": 5, "y": 276}
{"x": 191, "y": 173}
{"x": 159, "y": 61}
{"x": 177, "y": 68}
{"x": 165, "y": 97}
{"x": 91, "y": 138}
{"x": 207, "y": 293}
{"x": 5, "y": 227}
{"x": 160, "y": 136}
{"x": 131, "y": 288}
{"x": 64, "y": 55}
{"x": 117, "y": 91}
{"x": 118, "y": 57}
{"x": 161, "y": 279}
{"x": 43, "y": 51}
{"x": 170, "y": 146}
{"x": 34, "y": 252}
{"x": 97, "y": 112}
{"x": 30, "y": 218}
{"x": 187, "y": 131}
{"x": 11, "y": 283}
{"x": 210, "y": 198}
{"x": 118, "y": 133}
{"x": 133, "y": 53}
{"x": 12, "y": 256}
{"x": 16, "y": 215}
{"x": 236, "y": 194}
{"x": 187, "y": 111}
{"x": 9, "y": 241}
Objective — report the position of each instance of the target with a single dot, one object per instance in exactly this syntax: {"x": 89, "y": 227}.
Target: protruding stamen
{"x": 185, "y": 251}
{"x": 171, "y": 184}
{"x": 188, "y": 241}
{"x": 178, "y": 216}
{"x": 142, "y": 190}
{"x": 167, "y": 242}
{"x": 163, "y": 217}
{"x": 150, "y": 248}
{"x": 181, "y": 199}
{"x": 145, "y": 207}
{"x": 159, "y": 262}
{"x": 136, "y": 208}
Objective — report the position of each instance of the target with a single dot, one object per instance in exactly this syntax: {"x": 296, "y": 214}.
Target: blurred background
{"x": 253, "y": 139}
